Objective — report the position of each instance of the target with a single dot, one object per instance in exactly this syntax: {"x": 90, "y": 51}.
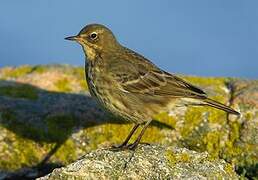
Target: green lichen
{"x": 20, "y": 91}
{"x": 63, "y": 85}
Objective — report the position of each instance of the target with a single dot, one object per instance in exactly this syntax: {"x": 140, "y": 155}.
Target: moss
{"x": 17, "y": 72}
{"x": 63, "y": 85}
{"x": 20, "y": 91}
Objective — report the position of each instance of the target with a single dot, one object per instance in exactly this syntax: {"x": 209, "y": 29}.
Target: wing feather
{"x": 140, "y": 76}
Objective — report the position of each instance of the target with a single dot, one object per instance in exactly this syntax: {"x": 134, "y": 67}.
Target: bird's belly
{"x": 117, "y": 101}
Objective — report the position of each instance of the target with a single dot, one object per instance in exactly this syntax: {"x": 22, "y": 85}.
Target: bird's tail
{"x": 220, "y": 106}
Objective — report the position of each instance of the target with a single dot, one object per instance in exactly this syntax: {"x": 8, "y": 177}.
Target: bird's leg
{"x": 136, "y": 142}
{"x": 121, "y": 146}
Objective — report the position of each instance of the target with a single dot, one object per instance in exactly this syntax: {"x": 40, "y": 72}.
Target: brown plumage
{"x": 129, "y": 85}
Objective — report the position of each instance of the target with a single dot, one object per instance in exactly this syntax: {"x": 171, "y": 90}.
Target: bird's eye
{"x": 93, "y": 36}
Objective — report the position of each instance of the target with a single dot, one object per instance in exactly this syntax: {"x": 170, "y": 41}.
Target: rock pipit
{"x": 129, "y": 85}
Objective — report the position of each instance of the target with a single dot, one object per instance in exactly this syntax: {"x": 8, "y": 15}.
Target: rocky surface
{"x": 48, "y": 120}
{"x": 147, "y": 162}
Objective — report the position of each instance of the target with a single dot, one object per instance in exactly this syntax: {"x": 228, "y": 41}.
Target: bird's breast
{"x": 97, "y": 79}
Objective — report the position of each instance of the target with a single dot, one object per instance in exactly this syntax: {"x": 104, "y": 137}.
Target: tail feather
{"x": 220, "y": 106}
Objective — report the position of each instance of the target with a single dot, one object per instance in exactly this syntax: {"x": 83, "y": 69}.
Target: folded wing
{"x": 145, "y": 78}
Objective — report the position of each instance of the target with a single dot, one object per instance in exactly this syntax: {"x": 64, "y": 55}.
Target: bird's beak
{"x": 73, "y": 38}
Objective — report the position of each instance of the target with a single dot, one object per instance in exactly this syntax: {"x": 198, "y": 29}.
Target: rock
{"x": 48, "y": 120}
{"x": 147, "y": 162}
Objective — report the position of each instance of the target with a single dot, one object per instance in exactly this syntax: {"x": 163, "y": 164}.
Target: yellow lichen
{"x": 79, "y": 72}
{"x": 193, "y": 118}
{"x": 26, "y": 151}
{"x": 166, "y": 119}
{"x": 174, "y": 158}
{"x": 40, "y": 69}
{"x": 16, "y": 72}
{"x": 66, "y": 153}
{"x": 63, "y": 85}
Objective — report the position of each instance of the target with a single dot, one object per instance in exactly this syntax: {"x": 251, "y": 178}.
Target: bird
{"x": 130, "y": 86}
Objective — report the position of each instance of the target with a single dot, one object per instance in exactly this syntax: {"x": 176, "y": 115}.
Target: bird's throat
{"x": 89, "y": 52}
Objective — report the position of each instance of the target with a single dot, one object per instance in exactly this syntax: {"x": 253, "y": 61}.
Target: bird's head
{"x": 95, "y": 38}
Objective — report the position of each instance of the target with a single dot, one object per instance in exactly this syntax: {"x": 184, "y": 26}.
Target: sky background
{"x": 200, "y": 37}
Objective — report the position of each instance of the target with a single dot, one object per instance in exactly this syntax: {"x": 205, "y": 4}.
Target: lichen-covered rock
{"x": 147, "y": 162}
{"x": 48, "y": 119}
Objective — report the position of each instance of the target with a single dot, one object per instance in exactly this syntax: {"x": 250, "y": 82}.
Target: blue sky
{"x": 207, "y": 38}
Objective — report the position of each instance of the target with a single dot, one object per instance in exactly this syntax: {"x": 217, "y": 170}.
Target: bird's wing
{"x": 143, "y": 77}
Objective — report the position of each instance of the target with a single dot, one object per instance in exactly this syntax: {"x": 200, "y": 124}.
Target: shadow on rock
{"x": 51, "y": 117}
